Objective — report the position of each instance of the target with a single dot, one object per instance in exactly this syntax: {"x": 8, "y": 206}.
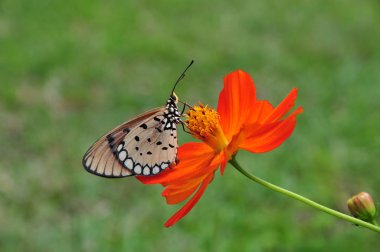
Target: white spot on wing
{"x": 146, "y": 170}
{"x": 137, "y": 169}
{"x": 122, "y": 155}
{"x": 156, "y": 170}
{"x": 119, "y": 147}
{"x": 128, "y": 163}
{"x": 164, "y": 166}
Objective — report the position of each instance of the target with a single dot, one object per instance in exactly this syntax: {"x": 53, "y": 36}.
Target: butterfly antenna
{"x": 182, "y": 75}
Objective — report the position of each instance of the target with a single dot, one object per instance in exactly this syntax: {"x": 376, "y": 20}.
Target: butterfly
{"x": 145, "y": 145}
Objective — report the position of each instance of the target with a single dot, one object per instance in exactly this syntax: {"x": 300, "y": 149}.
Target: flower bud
{"x": 362, "y": 207}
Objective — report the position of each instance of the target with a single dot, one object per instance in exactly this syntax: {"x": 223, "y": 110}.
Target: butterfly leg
{"x": 183, "y": 127}
{"x": 190, "y": 107}
{"x": 183, "y": 109}
{"x": 184, "y": 106}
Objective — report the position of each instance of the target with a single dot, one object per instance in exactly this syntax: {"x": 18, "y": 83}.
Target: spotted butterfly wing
{"x": 145, "y": 145}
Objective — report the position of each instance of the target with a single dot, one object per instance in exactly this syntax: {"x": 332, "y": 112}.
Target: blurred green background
{"x": 72, "y": 70}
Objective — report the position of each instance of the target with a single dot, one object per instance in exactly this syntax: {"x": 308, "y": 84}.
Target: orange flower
{"x": 240, "y": 122}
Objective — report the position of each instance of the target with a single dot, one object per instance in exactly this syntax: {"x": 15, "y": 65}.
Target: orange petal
{"x": 193, "y": 169}
{"x": 260, "y": 110}
{"x": 176, "y": 193}
{"x": 235, "y": 100}
{"x": 257, "y": 130}
{"x": 194, "y": 159}
{"x": 263, "y": 112}
{"x": 179, "y": 194}
{"x": 181, "y": 188}
{"x": 224, "y": 159}
{"x": 190, "y": 204}
{"x": 284, "y": 107}
{"x": 272, "y": 136}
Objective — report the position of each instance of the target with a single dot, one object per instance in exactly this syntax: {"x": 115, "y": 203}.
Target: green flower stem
{"x": 293, "y": 195}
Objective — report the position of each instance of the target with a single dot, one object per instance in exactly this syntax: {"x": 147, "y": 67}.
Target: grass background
{"x": 72, "y": 70}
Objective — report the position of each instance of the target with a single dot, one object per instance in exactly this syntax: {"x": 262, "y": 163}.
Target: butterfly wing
{"x": 145, "y": 145}
{"x": 151, "y": 147}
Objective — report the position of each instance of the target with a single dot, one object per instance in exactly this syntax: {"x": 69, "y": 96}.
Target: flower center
{"x": 203, "y": 122}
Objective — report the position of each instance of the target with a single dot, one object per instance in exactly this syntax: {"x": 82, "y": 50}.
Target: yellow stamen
{"x": 203, "y": 122}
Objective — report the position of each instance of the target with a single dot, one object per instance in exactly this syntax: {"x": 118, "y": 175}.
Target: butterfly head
{"x": 172, "y": 102}
{"x": 174, "y": 98}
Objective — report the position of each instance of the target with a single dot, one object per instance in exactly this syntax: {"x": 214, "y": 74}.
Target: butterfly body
{"x": 145, "y": 145}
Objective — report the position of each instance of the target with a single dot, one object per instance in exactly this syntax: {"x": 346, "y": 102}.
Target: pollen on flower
{"x": 203, "y": 123}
